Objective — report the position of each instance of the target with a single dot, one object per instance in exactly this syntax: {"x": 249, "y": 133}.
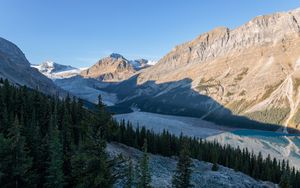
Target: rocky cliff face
{"x": 253, "y": 70}
{"x": 15, "y": 67}
{"x": 114, "y": 68}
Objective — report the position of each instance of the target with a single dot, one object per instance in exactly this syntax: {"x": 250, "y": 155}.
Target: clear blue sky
{"x": 78, "y": 32}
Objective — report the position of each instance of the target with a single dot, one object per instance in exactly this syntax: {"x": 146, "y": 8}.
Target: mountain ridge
{"x": 252, "y": 70}
{"x": 16, "y": 68}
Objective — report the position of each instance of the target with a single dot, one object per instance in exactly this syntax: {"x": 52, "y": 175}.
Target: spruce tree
{"x": 285, "y": 181}
{"x": 21, "y": 162}
{"x": 144, "y": 177}
{"x": 55, "y": 177}
{"x": 215, "y": 167}
{"x": 215, "y": 157}
{"x": 182, "y": 176}
{"x": 91, "y": 165}
{"x": 129, "y": 175}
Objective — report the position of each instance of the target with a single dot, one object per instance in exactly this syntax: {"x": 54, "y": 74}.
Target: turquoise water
{"x": 249, "y": 132}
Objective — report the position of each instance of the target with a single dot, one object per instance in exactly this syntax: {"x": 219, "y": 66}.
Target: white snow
{"x": 152, "y": 62}
{"x": 57, "y": 71}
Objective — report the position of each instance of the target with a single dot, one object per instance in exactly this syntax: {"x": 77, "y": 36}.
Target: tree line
{"x": 167, "y": 144}
{"x": 50, "y": 142}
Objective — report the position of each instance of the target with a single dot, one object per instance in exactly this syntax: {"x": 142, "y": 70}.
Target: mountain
{"x": 114, "y": 68}
{"x": 15, "y": 67}
{"x": 251, "y": 71}
{"x": 57, "y": 71}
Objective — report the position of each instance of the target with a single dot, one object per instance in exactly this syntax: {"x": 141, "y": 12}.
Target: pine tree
{"x": 144, "y": 177}
{"x": 215, "y": 157}
{"x": 182, "y": 176}
{"x": 215, "y": 167}
{"x": 285, "y": 181}
{"x": 55, "y": 177}
{"x": 21, "y": 162}
{"x": 91, "y": 165}
{"x": 6, "y": 160}
{"x": 129, "y": 175}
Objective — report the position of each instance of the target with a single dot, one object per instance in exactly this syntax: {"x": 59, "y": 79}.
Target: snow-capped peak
{"x": 136, "y": 64}
{"x": 48, "y": 64}
{"x": 57, "y": 71}
{"x": 139, "y": 63}
{"x": 52, "y": 67}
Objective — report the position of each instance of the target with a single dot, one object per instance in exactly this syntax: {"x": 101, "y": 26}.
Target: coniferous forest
{"x": 50, "y": 142}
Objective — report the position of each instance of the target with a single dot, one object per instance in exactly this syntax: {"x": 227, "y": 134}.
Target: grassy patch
{"x": 242, "y": 93}
{"x": 239, "y": 106}
{"x": 269, "y": 90}
{"x": 204, "y": 85}
{"x": 228, "y": 94}
{"x": 273, "y": 116}
{"x": 296, "y": 83}
{"x": 296, "y": 119}
{"x": 241, "y": 75}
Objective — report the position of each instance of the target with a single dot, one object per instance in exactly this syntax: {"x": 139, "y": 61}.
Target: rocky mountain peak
{"x": 253, "y": 70}
{"x": 116, "y": 56}
{"x": 114, "y": 68}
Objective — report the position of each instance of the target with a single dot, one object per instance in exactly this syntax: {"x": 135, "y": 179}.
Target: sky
{"x": 80, "y": 32}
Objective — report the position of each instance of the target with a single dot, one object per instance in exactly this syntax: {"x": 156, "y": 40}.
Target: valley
{"x": 225, "y": 106}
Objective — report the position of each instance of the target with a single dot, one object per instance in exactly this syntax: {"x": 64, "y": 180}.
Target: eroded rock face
{"x": 15, "y": 67}
{"x": 253, "y": 70}
{"x": 114, "y": 68}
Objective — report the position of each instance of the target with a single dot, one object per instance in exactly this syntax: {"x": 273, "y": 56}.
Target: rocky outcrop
{"x": 114, "y": 68}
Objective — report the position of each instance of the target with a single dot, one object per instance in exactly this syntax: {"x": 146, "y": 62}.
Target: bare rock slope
{"x": 253, "y": 70}
{"x": 114, "y": 68}
{"x": 162, "y": 168}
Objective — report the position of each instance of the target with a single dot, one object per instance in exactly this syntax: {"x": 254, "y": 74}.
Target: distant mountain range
{"x": 251, "y": 72}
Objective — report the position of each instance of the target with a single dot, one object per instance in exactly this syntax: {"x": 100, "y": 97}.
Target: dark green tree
{"x": 144, "y": 177}
{"x": 182, "y": 176}
{"x": 20, "y": 161}
{"x": 55, "y": 177}
{"x": 285, "y": 181}
{"x": 129, "y": 181}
